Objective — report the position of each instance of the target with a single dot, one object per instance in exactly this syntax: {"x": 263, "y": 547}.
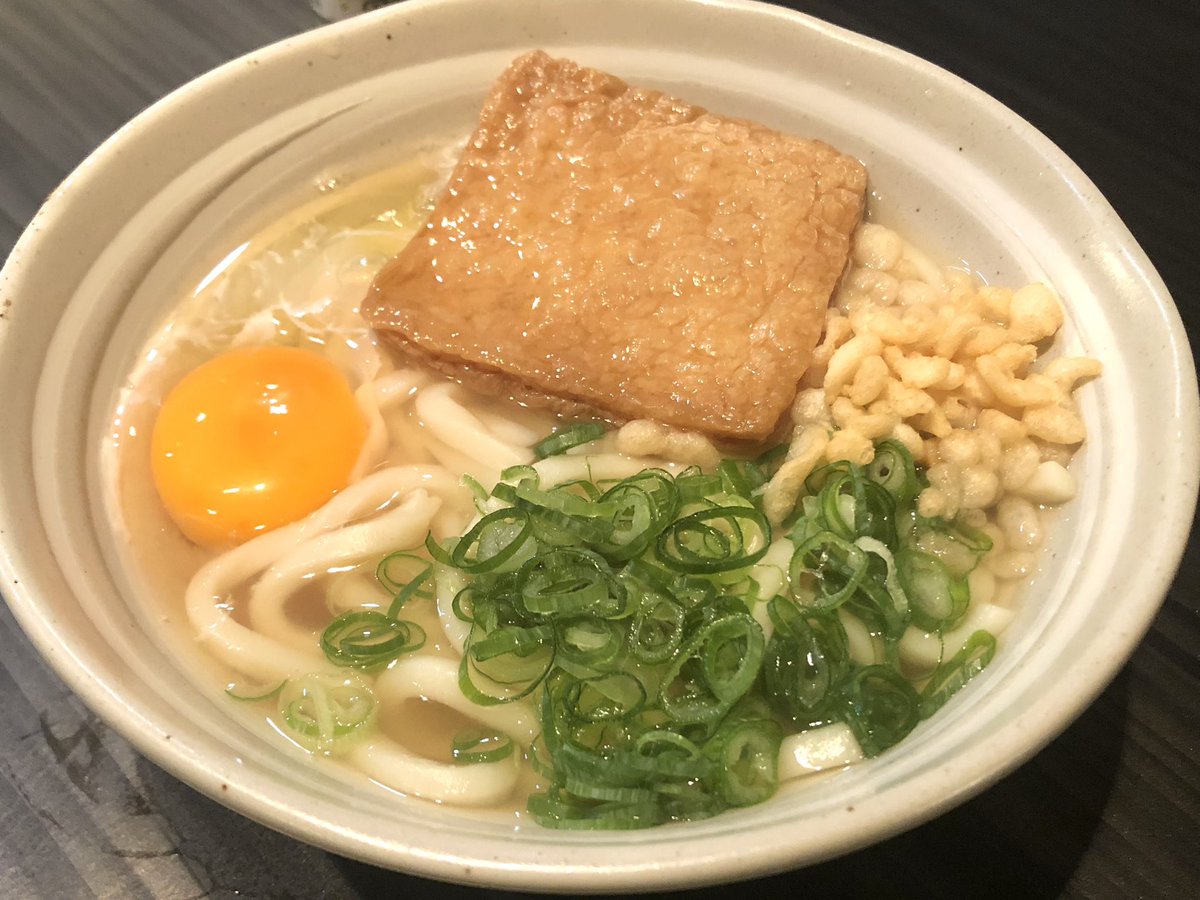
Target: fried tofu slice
{"x": 623, "y": 251}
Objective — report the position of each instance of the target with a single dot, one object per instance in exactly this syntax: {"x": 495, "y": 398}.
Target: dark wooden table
{"x": 1110, "y": 809}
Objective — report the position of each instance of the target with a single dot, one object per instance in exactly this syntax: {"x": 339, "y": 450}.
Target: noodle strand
{"x": 207, "y": 594}
{"x": 479, "y": 784}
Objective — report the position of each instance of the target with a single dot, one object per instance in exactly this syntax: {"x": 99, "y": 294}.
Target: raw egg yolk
{"x": 253, "y": 439}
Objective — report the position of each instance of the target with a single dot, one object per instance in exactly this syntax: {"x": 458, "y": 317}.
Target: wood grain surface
{"x": 1110, "y": 809}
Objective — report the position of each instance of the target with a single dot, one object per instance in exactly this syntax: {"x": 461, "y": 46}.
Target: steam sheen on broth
{"x": 256, "y": 611}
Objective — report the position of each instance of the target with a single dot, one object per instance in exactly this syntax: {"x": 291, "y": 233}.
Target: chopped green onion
{"x": 657, "y": 629}
{"x": 570, "y": 582}
{"x": 555, "y": 809}
{"x": 623, "y": 610}
{"x": 715, "y": 540}
{"x": 951, "y": 676}
{"x": 957, "y": 546}
{"x": 826, "y": 570}
{"x": 397, "y": 570}
{"x": 747, "y": 757}
{"x": 478, "y": 491}
{"x": 891, "y": 581}
{"x": 405, "y": 576}
{"x": 567, "y": 439}
{"x": 322, "y": 712}
{"x": 855, "y": 507}
{"x": 511, "y": 640}
{"x": 436, "y": 552}
{"x": 615, "y": 696}
{"x": 499, "y": 539}
{"x": 668, "y": 754}
{"x": 807, "y": 657}
{"x": 248, "y": 694}
{"x": 697, "y": 485}
{"x": 893, "y": 470}
{"x": 771, "y": 459}
{"x": 588, "y": 641}
{"x": 641, "y": 507}
{"x": 713, "y": 669}
{"x": 480, "y": 746}
{"x": 733, "y": 477}
{"x": 502, "y": 678}
{"x": 881, "y": 708}
{"x": 523, "y": 472}
{"x": 938, "y": 600}
{"x": 816, "y": 481}
{"x": 368, "y": 639}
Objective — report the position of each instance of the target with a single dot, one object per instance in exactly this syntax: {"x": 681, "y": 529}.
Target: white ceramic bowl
{"x": 948, "y": 164}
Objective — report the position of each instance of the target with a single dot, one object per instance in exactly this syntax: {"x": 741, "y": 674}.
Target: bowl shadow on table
{"x": 1024, "y": 837}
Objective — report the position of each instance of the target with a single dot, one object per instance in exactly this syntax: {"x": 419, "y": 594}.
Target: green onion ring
{"x": 698, "y": 544}
{"x": 368, "y": 639}
{"x": 477, "y": 745}
{"x": 567, "y": 439}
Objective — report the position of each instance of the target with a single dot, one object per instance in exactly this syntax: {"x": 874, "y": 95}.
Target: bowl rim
{"x": 1007, "y": 752}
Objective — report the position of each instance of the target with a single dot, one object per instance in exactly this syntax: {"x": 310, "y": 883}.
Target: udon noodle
{"x": 258, "y": 609}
